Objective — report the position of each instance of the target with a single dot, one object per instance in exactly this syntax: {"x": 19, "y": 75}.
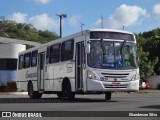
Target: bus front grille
{"x": 111, "y": 86}
{"x": 115, "y": 75}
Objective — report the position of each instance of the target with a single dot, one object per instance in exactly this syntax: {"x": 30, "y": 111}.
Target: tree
{"x": 146, "y": 64}
{"x": 25, "y": 31}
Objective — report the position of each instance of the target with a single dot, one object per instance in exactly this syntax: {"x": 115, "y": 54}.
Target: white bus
{"x": 95, "y": 61}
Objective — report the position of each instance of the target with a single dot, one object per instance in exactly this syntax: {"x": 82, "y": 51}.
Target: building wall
{"x": 10, "y": 50}
{"x": 8, "y": 58}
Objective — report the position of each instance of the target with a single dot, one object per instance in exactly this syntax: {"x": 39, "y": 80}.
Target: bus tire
{"x": 67, "y": 92}
{"x": 60, "y": 95}
{"x": 38, "y": 95}
{"x": 33, "y": 94}
{"x": 108, "y": 95}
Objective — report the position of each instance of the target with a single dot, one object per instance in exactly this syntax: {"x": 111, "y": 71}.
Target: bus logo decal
{"x": 30, "y": 75}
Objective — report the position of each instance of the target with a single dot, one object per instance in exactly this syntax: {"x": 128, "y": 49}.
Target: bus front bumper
{"x": 102, "y": 86}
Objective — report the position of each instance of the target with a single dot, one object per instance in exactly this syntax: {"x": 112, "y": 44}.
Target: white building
{"x": 9, "y": 50}
{"x": 8, "y": 61}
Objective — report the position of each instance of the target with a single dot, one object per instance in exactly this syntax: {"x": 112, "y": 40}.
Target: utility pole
{"x": 123, "y": 26}
{"x": 61, "y": 16}
{"x": 101, "y": 21}
{"x": 82, "y": 26}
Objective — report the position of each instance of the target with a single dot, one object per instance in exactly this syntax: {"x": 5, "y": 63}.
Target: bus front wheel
{"x": 108, "y": 95}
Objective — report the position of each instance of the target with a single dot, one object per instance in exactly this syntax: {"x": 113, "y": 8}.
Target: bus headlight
{"x": 92, "y": 75}
{"x": 136, "y": 77}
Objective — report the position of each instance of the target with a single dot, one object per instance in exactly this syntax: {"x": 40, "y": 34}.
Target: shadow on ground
{"x": 50, "y": 100}
{"x": 151, "y": 107}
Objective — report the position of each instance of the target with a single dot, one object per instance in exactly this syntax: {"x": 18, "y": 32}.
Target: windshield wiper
{"x": 103, "y": 48}
{"x": 122, "y": 48}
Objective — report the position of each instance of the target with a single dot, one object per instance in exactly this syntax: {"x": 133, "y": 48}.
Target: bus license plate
{"x": 116, "y": 83}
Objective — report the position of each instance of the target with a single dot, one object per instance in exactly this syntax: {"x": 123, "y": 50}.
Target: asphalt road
{"x": 120, "y": 102}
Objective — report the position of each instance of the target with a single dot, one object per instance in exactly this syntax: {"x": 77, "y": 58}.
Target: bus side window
{"x": 34, "y": 59}
{"x": 67, "y": 50}
{"x": 55, "y": 53}
{"x": 21, "y": 62}
{"x": 27, "y": 59}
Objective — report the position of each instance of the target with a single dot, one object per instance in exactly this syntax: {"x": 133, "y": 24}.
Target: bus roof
{"x": 110, "y": 30}
{"x": 72, "y": 36}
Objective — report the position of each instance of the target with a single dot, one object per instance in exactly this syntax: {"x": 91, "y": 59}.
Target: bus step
{"x": 41, "y": 91}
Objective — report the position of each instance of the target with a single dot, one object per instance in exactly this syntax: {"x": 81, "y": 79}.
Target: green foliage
{"x": 148, "y": 47}
{"x": 25, "y": 31}
{"x": 146, "y": 68}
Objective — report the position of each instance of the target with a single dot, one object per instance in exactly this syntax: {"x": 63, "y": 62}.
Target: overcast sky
{"x": 136, "y": 15}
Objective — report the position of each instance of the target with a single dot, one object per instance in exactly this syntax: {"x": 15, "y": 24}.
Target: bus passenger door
{"x": 41, "y": 59}
{"x": 79, "y": 65}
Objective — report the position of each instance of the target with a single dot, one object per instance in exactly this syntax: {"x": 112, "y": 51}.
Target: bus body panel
{"x": 54, "y": 74}
{"x": 26, "y": 75}
{"x": 113, "y": 80}
{"x": 98, "y": 86}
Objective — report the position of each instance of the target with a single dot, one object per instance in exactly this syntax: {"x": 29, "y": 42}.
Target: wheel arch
{"x": 65, "y": 81}
{"x": 29, "y": 82}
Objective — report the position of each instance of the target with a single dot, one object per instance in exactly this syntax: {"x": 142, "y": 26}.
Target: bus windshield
{"x": 112, "y": 55}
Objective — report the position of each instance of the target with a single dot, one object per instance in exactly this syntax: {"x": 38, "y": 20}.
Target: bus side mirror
{"x": 88, "y": 46}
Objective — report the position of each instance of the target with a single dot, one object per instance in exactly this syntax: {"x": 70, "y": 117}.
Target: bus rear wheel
{"x": 33, "y": 94}
{"x": 60, "y": 95}
{"x": 108, "y": 95}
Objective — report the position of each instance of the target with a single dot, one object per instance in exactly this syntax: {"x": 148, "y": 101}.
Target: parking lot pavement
{"x": 120, "y": 102}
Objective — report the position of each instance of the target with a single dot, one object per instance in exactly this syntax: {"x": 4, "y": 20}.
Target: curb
{"x": 13, "y": 93}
